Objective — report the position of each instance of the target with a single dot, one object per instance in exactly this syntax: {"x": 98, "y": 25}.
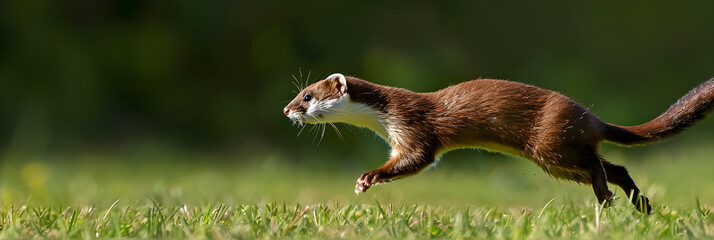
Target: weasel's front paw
{"x": 365, "y": 181}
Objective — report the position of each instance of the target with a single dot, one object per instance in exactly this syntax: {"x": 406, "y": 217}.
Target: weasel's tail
{"x": 682, "y": 114}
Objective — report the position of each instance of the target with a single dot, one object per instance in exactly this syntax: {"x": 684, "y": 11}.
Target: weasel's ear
{"x": 339, "y": 81}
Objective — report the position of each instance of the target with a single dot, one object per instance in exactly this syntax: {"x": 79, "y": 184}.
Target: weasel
{"x": 550, "y": 129}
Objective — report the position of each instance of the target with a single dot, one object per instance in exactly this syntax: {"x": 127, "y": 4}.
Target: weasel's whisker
{"x": 322, "y": 136}
{"x": 339, "y": 134}
{"x": 313, "y": 128}
{"x": 295, "y": 82}
{"x": 316, "y": 129}
{"x": 303, "y": 85}
{"x": 314, "y": 138}
{"x": 296, "y": 85}
{"x": 303, "y": 128}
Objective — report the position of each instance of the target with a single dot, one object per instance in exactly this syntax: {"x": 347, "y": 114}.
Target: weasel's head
{"x": 320, "y": 102}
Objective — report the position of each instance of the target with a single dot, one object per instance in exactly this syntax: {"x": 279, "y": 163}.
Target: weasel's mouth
{"x": 298, "y": 120}
{"x": 304, "y": 118}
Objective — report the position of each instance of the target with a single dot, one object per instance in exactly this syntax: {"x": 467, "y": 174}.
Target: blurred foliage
{"x": 214, "y": 75}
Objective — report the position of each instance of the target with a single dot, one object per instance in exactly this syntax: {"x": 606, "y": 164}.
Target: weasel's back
{"x": 517, "y": 115}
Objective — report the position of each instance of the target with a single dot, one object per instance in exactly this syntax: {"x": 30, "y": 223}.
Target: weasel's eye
{"x": 307, "y": 97}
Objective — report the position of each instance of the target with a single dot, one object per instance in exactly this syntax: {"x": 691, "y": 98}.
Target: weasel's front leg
{"x": 397, "y": 167}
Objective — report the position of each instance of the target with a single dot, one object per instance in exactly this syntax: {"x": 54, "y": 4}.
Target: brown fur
{"x": 553, "y": 131}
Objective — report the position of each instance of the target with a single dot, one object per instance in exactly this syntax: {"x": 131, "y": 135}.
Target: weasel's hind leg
{"x": 619, "y": 176}
{"x": 590, "y": 172}
{"x": 598, "y": 179}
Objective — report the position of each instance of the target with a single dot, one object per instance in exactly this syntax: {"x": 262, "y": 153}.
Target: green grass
{"x": 155, "y": 220}
{"x": 161, "y": 195}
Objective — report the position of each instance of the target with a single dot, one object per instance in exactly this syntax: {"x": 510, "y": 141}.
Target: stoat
{"x": 550, "y": 129}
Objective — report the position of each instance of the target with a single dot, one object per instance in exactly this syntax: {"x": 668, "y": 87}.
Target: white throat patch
{"x": 344, "y": 110}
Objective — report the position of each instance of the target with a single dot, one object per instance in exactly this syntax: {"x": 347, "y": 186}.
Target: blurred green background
{"x": 128, "y": 99}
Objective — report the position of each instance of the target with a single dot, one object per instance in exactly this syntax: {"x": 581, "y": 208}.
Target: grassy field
{"x": 158, "y": 195}
{"x": 154, "y": 220}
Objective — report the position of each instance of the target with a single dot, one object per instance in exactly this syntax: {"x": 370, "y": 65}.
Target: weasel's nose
{"x": 286, "y": 111}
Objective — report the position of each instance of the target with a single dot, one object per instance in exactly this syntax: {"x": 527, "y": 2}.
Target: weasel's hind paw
{"x": 642, "y": 204}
